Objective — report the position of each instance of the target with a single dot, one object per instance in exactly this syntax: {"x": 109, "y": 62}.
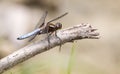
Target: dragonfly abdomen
{"x": 29, "y": 34}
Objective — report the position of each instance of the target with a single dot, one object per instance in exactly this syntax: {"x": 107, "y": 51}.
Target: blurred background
{"x": 101, "y": 56}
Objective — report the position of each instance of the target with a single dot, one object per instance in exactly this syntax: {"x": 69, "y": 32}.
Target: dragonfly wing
{"x": 58, "y": 17}
{"x": 40, "y": 24}
{"x": 32, "y": 37}
{"x": 42, "y": 20}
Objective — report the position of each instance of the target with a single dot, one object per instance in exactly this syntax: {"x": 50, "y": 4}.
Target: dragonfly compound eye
{"x": 59, "y": 25}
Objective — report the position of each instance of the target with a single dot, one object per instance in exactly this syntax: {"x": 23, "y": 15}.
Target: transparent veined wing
{"x": 40, "y": 24}
{"x": 57, "y": 18}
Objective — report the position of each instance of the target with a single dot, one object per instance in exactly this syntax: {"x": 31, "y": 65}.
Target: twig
{"x": 77, "y": 32}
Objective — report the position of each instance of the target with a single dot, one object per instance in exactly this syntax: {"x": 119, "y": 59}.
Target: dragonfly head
{"x": 58, "y": 25}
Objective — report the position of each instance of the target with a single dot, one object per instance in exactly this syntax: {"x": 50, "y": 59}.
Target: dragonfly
{"x": 44, "y": 28}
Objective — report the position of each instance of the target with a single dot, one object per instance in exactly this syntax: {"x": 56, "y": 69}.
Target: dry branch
{"x": 77, "y": 32}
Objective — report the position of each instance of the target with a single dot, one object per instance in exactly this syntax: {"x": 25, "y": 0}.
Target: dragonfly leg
{"x": 48, "y": 37}
{"x": 59, "y": 40}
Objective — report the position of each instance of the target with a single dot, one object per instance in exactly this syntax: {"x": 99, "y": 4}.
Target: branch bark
{"x": 81, "y": 31}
